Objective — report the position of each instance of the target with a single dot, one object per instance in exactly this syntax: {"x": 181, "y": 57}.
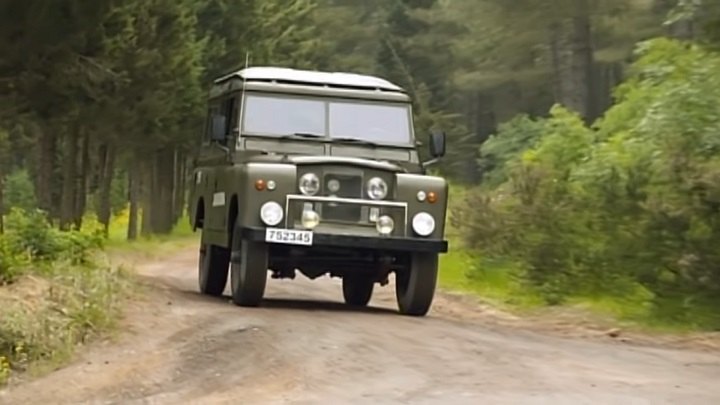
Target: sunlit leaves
{"x": 636, "y": 199}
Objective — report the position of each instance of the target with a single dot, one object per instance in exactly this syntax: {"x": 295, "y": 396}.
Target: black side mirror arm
{"x": 222, "y": 147}
{"x": 429, "y": 163}
{"x": 437, "y": 151}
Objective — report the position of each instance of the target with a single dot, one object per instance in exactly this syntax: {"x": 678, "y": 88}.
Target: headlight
{"x": 271, "y": 213}
{"x": 377, "y": 189}
{"x": 423, "y": 224}
{"x": 310, "y": 219}
{"x": 385, "y": 225}
{"x": 309, "y": 184}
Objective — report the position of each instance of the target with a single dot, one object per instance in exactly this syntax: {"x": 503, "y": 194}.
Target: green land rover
{"x": 316, "y": 172}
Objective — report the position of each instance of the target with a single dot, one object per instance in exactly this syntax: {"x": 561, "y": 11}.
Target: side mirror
{"x": 437, "y": 144}
{"x": 218, "y": 128}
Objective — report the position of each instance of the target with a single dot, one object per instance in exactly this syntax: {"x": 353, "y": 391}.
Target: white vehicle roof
{"x": 311, "y": 77}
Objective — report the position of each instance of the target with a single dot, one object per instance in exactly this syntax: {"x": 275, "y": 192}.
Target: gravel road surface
{"x": 303, "y": 346}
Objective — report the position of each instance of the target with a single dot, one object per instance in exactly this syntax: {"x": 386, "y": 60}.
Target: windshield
{"x": 371, "y": 122}
{"x": 375, "y": 122}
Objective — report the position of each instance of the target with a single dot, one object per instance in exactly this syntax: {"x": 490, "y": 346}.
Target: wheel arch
{"x": 233, "y": 212}
{"x": 199, "y": 217}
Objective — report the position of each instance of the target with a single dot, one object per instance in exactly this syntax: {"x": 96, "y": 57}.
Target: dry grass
{"x": 46, "y": 315}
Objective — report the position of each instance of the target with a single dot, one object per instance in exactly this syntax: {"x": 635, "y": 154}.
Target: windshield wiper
{"x": 302, "y": 135}
{"x": 356, "y": 140}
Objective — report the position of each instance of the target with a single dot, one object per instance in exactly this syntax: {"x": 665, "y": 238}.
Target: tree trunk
{"x": 148, "y": 189}
{"x": 163, "y": 192}
{"x": 484, "y": 124}
{"x": 69, "y": 183}
{"x": 2, "y": 203}
{"x": 180, "y": 185}
{"x": 46, "y": 159}
{"x": 607, "y": 77}
{"x": 107, "y": 173}
{"x": 572, "y": 56}
{"x": 134, "y": 197}
{"x": 82, "y": 181}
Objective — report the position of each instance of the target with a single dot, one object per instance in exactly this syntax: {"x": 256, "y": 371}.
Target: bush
{"x": 30, "y": 239}
{"x": 635, "y": 201}
{"x": 42, "y": 318}
{"x": 500, "y": 150}
{"x": 19, "y": 192}
{"x": 11, "y": 262}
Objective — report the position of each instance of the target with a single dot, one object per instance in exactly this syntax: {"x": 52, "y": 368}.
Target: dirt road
{"x": 304, "y": 347}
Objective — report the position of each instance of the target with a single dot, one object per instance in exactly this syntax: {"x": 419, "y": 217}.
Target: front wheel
{"x": 358, "y": 290}
{"x": 415, "y": 285}
{"x": 248, "y": 272}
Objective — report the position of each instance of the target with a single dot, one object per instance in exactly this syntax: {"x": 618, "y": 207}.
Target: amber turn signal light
{"x": 432, "y": 197}
{"x": 260, "y": 185}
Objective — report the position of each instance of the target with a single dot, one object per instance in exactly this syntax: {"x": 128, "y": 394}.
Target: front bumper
{"x": 257, "y": 234}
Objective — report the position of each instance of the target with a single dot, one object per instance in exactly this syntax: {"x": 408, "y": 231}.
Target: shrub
{"x": 11, "y": 262}
{"x": 501, "y": 149}
{"x": 42, "y": 318}
{"x": 30, "y": 239}
{"x": 634, "y": 201}
{"x": 19, "y": 192}
{"x": 30, "y": 232}
{"x": 4, "y": 369}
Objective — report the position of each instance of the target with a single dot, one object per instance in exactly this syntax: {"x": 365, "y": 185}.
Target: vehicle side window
{"x": 230, "y": 111}
{"x": 207, "y": 134}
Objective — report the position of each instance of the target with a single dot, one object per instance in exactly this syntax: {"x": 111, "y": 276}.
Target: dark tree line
{"x": 101, "y": 103}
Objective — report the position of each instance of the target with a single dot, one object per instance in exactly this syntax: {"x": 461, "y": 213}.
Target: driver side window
{"x": 230, "y": 110}
{"x": 214, "y": 110}
{"x": 227, "y": 109}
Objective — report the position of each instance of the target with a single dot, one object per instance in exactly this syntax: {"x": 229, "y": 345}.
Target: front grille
{"x": 350, "y": 186}
{"x": 361, "y": 223}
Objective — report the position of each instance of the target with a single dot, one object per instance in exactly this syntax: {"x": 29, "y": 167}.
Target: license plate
{"x": 289, "y": 236}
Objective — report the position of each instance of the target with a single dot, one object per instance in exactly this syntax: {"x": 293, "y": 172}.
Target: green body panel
{"x": 250, "y": 201}
{"x": 408, "y": 187}
{"x": 231, "y": 188}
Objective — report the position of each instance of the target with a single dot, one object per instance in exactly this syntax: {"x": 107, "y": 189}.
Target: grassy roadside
{"x": 495, "y": 285}
{"x": 149, "y": 247}
{"x": 57, "y": 293}
{"x": 498, "y": 284}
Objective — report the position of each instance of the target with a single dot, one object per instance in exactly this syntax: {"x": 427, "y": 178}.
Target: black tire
{"x": 213, "y": 269}
{"x": 248, "y": 274}
{"x": 357, "y": 291}
{"x": 415, "y": 286}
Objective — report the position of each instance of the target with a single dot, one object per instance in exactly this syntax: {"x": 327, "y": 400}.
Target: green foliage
{"x": 12, "y": 263}
{"x": 632, "y": 203}
{"x": 19, "y": 192}
{"x": 4, "y": 370}
{"x": 66, "y": 298}
{"x": 31, "y": 240}
{"x": 4, "y": 150}
{"x": 503, "y": 148}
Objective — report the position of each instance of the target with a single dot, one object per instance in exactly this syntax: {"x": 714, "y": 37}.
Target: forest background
{"x": 584, "y": 135}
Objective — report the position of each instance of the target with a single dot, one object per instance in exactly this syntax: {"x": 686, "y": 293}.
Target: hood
{"x": 371, "y": 164}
